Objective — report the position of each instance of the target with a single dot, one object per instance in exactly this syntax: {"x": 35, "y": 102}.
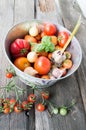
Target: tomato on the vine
{"x": 6, "y": 110}
{"x": 50, "y": 29}
{"x": 31, "y": 98}
{"x": 45, "y": 95}
{"x": 42, "y": 65}
{"x": 9, "y": 75}
{"x": 62, "y": 38}
{"x": 19, "y": 47}
{"x": 40, "y": 107}
{"x": 18, "y": 108}
{"x": 25, "y": 105}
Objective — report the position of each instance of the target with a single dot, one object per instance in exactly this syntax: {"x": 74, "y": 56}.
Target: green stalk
{"x": 72, "y": 34}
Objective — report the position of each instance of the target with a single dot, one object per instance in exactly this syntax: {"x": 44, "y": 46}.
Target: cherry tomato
{"x": 21, "y": 63}
{"x": 45, "y": 95}
{"x": 6, "y": 110}
{"x": 31, "y": 98}
{"x": 40, "y": 107}
{"x": 30, "y": 38}
{"x": 62, "y": 38}
{"x": 42, "y": 65}
{"x": 25, "y": 105}
{"x": 6, "y": 102}
{"x": 19, "y": 47}
{"x": 54, "y": 40}
{"x": 50, "y": 29}
{"x": 12, "y": 102}
{"x": 18, "y": 108}
{"x": 9, "y": 75}
{"x": 43, "y": 34}
{"x": 67, "y": 64}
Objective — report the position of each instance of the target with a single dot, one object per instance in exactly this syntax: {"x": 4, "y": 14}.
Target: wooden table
{"x": 66, "y": 13}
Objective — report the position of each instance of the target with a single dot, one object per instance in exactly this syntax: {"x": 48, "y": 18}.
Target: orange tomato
{"x": 21, "y": 63}
{"x": 30, "y": 38}
{"x": 43, "y": 53}
{"x": 38, "y": 37}
{"x": 45, "y": 77}
{"x": 67, "y": 64}
{"x": 54, "y": 40}
{"x": 58, "y": 47}
{"x": 50, "y": 56}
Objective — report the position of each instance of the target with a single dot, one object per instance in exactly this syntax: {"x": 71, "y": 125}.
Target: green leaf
{"x": 46, "y": 45}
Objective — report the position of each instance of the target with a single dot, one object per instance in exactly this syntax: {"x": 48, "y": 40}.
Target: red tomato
{"x": 50, "y": 29}
{"x": 12, "y": 102}
{"x": 18, "y": 108}
{"x": 19, "y": 47}
{"x": 31, "y": 98}
{"x": 42, "y": 65}
{"x": 9, "y": 75}
{"x": 40, "y": 107}
{"x": 62, "y": 38}
{"x": 25, "y": 105}
{"x": 45, "y": 95}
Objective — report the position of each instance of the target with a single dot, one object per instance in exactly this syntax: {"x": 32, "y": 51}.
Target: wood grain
{"x": 12, "y": 12}
{"x": 72, "y": 18}
{"x": 66, "y": 90}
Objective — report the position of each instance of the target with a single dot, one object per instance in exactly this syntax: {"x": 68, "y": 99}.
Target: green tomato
{"x": 55, "y": 111}
{"x": 63, "y": 111}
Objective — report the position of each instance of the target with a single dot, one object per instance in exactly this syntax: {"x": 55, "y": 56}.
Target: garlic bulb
{"x": 32, "y": 56}
{"x": 31, "y": 71}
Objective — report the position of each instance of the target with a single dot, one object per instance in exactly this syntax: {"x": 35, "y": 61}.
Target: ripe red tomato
{"x": 19, "y": 47}
{"x": 25, "y": 105}
{"x": 40, "y": 107}
{"x": 62, "y": 38}
{"x": 18, "y": 108}
{"x": 50, "y": 29}
{"x": 12, "y": 102}
{"x": 42, "y": 65}
{"x": 45, "y": 95}
{"x": 31, "y": 98}
{"x": 9, "y": 75}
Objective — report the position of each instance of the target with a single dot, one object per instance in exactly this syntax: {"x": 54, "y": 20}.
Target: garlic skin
{"x": 57, "y": 73}
{"x": 31, "y": 71}
{"x": 58, "y": 56}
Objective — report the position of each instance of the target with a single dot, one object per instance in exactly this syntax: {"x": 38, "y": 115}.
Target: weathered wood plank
{"x": 6, "y": 21}
{"x": 23, "y": 11}
{"x": 72, "y": 17}
{"x": 66, "y": 90}
{"x": 12, "y": 12}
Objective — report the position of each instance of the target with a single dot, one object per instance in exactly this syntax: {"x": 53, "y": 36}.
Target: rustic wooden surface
{"x": 74, "y": 87}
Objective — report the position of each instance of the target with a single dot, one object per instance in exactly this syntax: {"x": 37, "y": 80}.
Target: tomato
{"x": 62, "y": 38}
{"x": 50, "y": 29}
{"x": 54, "y": 40}
{"x": 67, "y": 54}
{"x": 18, "y": 108}
{"x": 6, "y": 102}
{"x": 31, "y": 98}
{"x": 6, "y": 110}
{"x": 9, "y": 75}
{"x": 40, "y": 107}
{"x": 42, "y": 65}
{"x": 25, "y": 105}
{"x": 21, "y": 63}
{"x": 45, "y": 77}
{"x": 19, "y": 47}
{"x": 67, "y": 64}
{"x": 30, "y": 38}
{"x": 45, "y": 95}
{"x": 43, "y": 34}
{"x": 12, "y": 102}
